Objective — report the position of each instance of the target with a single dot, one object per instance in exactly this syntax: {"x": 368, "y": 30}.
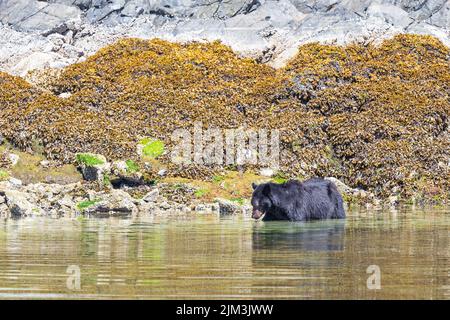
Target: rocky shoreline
{"x": 93, "y": 197}
{"x": 72, "y": 200}
{"x": 114, "y": 190}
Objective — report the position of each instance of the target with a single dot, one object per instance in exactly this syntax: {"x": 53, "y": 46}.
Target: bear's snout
{"x": 256, "y": 214}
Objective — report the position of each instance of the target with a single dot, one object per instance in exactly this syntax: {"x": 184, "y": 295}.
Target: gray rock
{"x": 207, "y": 208}
{"x": 94, "y": 172}
{"x": 227, "y": 207}
{"x": 151, "y": 196}
{"x": 66, "y": 201}
{"x": 267, "y": 30}
{"x": 440, "y": 15}
{"x": 36, "y": 15}
{"x": 18, "y": 203}
{"x": 342, "y": 187}
{"x": 15, "y": 182}
{"x": 390, "y": 13}
{"x": 13, "y": 158}
{"x": 117, "y": 202}
{"x": 266, "y": 172}
{"x": 165, "y": 206}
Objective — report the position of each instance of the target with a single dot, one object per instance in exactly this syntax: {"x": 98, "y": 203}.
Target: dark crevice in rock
{"x": 121, "y": 182}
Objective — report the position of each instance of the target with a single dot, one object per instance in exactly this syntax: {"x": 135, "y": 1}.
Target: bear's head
{"x": 261, "y": 200}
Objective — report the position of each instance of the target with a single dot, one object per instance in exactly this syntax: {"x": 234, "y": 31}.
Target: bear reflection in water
{"x": 300, "y": 236}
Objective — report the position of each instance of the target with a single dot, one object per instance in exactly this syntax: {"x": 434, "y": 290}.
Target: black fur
{"x": 312, "y": 199}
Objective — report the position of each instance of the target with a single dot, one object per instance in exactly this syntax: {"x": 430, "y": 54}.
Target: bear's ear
{"x": 266, "y": 190}
{"x": 254, "y": 185}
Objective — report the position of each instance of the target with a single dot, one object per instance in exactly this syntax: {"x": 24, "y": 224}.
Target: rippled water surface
{"x": 204, "y": 257}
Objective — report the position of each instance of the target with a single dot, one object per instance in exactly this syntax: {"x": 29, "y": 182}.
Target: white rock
{"x": 13, "y": 158}
{"x": 342, "y": 187}
{"x": 44, "y": 163}
{"x": 266, "y": 172}
{"x": 162, "y": 172}
{"x": 18, "y": 204}
{"x": 152, "y": 196}
{"x": 117, "y": 202}
{"x": 15, "y": 182}
{"x": 119, "y": 167}
{"x": 65, "y": 95}
{"x": 228, "y": 207}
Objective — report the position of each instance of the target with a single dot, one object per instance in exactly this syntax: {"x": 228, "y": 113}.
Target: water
{"x": 208, "y": 257}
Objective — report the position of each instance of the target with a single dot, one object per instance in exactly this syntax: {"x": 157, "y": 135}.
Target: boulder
{"x": 117, "y": 202}
{"x": 342, "y": 187}
{"x": 66, "y": 202}
{"x": 41, "y": 16}
{"x": 15, "y": 182}
{"x": 228, "y": 207}
{"x": 127, "y": 172}
{"x": 13, "y": 158}
{"x": 267, "y": 172}
{"x": 18, "y": 203}
{"x": 94, "y": 167}
{"x": 207, "y": 208}
{"x": 151, "y": 196}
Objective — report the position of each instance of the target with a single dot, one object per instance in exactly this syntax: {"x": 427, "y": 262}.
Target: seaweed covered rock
{"x": 387, "y": 109}
{"x": 374, "y": 116}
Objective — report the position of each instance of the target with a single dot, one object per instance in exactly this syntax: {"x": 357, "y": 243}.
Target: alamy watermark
{"x": 215, "y": 146}
{"x": 73, "y": 281}
{"x": 374, "y": 280}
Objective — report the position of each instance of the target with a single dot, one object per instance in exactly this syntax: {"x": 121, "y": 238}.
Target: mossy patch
{"x": 89, "y": 160}
{"x": 239, "y": 201}
{"x": 83, "y": 205}
{"x": 132, "y": 166}
{"x": 4, "y": 175}
{"x": 218, "y": 178}
{"x": 199, "y": 193}
{"x": 280, "y": 178}
{"x": 152, "y": 148}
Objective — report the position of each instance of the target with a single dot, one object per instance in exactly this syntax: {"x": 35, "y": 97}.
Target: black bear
{"x": 297, "y": 201}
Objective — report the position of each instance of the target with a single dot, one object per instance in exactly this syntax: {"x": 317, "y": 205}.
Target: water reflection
{"x": 309, "y": 236}
{"x": 212, "y": 257}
